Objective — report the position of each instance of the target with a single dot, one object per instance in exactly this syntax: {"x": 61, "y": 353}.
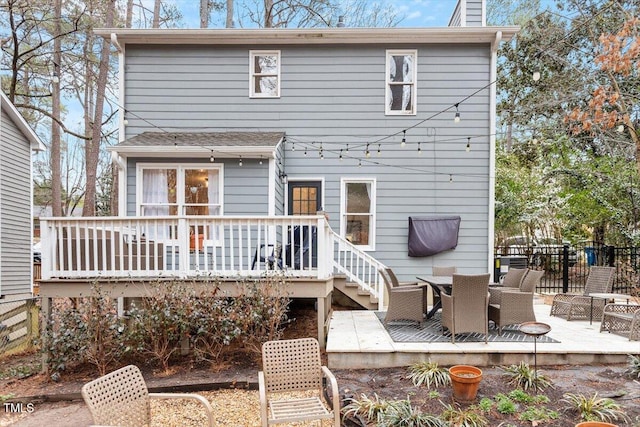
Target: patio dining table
{"x": 439, "y": 284}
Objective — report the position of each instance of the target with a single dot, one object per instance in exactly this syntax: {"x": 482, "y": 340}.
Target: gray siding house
{"x": 308, "y": 150}
{"x": 17, "y": 143}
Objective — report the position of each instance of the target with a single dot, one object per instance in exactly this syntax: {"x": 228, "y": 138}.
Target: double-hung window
{"x": 358, "y": 211}
{"x": 401, "y": 82}
{"x": 264, "y": 74}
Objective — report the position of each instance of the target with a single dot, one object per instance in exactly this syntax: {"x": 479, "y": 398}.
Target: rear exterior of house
{"x": 357, "y": 123}
{"x": 17, "y": 142}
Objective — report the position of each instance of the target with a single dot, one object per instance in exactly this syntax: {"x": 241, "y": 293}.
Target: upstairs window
{"x": 265, "y": 74}
{"x": 401, "y": 82}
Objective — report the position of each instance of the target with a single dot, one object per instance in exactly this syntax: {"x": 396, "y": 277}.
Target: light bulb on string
{"x": 379, "y": 150}
{"x": 367, "y": 153}
{"x": 240, "y": 161}
{"x": 211, "y": 159}
{"x": 456, "y": 118}
{"x": 321, "y": 153}
{"x": 404, "y": 138}
{"x": 468, "y": 144}
{"x": 260, "y": 162}
{"x": 305, "y": 151}
{"x": 450, "y": 178}
{"x": 359, "y": 163}
{"x": 293, "y": 146}
{"x": 347, "y": 148}
{"x": 536, "y": 76}
{"x": 341, "y": 154}
{"x": 419, "y": 149}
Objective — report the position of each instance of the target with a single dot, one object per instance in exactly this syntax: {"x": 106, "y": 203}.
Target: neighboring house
{"x": 257, "y": 130}
{"x": 17, "y": 143}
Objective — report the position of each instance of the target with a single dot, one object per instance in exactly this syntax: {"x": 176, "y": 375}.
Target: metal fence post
{"x": 611, "y": 256}
{"x": 565, "y": 269}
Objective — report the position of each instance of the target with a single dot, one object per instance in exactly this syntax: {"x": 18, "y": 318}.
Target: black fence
{"x": 566, "y": 267}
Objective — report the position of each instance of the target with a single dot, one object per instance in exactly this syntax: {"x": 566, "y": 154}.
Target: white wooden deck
{"x": 357, "y": 340}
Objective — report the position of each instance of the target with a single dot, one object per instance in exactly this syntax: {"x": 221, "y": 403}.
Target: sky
{"x": 417, "y": 13}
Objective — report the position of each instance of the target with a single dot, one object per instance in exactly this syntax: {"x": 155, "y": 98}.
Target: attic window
{"x": 265, "y": 74}
{"x": 401, "y": 82}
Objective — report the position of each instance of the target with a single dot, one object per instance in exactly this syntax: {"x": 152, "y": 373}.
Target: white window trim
{"x": 414, "y": 110}
{"x": 254, "y": 53}
{"x": 343, "y": 209}
{"x": 180, "y": 168}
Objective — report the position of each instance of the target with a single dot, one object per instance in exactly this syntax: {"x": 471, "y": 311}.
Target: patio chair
{"x": 439, "y": 270}
{"x": 121, "y": 398}
{"x": 291, "y": 366}
{"x": 405, "y": 302}
{"x": 622, "y": 319}
{"x": 512, "y": 279}
{"x": 465, "y": 310}
{"x": 509, "y": 306}
{"x": 396, "y": 283}
{"x": 581, "y": 306}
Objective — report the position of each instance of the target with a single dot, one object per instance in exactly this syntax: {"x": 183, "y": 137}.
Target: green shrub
{"x": 593, "y": 408}
{"x": 459, "y": 417}
{"x": 524, "y": 377}
{"x": 428, "y": 373}
{"x": 485, "y": 404}
{"x": 634, "y": 366}
{"x": 371, "y": 409}
{"x": 505, "y": 405}
{"x": 521, "y": 396}
{"x": 402, "y": 414}
{"x": 534, "y": 414}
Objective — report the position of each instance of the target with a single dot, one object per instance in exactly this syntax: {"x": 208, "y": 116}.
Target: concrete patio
{"x": 357, "y": 340}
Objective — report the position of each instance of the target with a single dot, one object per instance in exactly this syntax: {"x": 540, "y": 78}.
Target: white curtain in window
{"x": 407, "y": 77}
{"x": 155, "y": 190}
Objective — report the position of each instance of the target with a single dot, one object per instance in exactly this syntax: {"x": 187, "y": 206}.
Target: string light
{"x": 341, "y": 154}
{"x": 367, "y": 153}
{"x": 404, "y": 138}
{"x": 240, "y": 161}
{"x": 450, "y": 178}
{"x": 211, "y": 159}
{"x": 456, "y": 118}
{"x": 468, "y": 144}
{"x": 260, "y": 162}
{"x": 305, "y": 151}
{"x": 321, "y": 151}
{"x": 536, "y": 76}
{"x": 347, "y": 148}
{"x": 419, "y": 149}
{"x": 293, "y": 146}
{"x": 379, "y": 150}
{"x": 359, "y": 163}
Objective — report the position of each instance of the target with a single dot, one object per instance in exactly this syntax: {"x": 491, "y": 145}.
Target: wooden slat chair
{"x": 572, "y": 306}
{"x": 509, "y": 306}
{"x": 121, "y": 398}
{"x": 294, "y": 366}
{"x": 405, "y": 302}
{"x": 465, "y": 310}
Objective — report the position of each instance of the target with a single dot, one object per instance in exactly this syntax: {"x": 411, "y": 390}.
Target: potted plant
{"x": 595, "y": 424}
{"x": 465, "y": 380}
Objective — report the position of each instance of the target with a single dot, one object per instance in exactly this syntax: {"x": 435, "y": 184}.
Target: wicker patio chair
{"x": 439, "y": 270}
{"x": 443, "y": 270}
{"x": 121, "y": 398}
{"x": 509, "y": 306}
{"x": 512, "y": 279}
{"x": 622, "y": 319}
{"x": 294, "y": 366}
{"x": 572, "y": 306}
{"x": 405, "y": 302}
{"x": 465, "y": 310}
{"x": 396, "y": 283}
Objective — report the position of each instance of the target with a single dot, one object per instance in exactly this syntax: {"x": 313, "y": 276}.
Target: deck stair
{"x": 355, "y": 293}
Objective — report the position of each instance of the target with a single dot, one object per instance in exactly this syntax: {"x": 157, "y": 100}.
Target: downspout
{"x": 122, "y": 167}
{"x": 493, "y": 73}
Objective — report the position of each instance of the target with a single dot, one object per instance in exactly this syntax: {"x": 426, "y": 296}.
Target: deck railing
{"x": 359, "y": 267}
{"x": 185, "y": 246}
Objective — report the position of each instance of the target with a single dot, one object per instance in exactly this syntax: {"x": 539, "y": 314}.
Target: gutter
{"x": 493, "y": 75}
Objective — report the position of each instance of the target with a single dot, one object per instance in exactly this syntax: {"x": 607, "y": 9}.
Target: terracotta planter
{"x": 595, "y": 424}
{"x": 465, "y": 381}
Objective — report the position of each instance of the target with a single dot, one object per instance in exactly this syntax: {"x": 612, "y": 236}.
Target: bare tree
{"x": 229, "y": 20}
{"x": 56, "y": 190}
{"x": 92, "y": 147}
{"x": 204, "y": 13}
{"x": 156, "y": 14}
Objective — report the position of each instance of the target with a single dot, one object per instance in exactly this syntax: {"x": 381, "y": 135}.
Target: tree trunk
{"x": 229, "y": 23}
{"x": 56, "y": 176}
{"x": 156, "y": 14}
{"x": 129, "y": 17}
{"x": 204, "y": 13}
{"x": 92, "y": 149}
{"x": 268, "y": 13}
